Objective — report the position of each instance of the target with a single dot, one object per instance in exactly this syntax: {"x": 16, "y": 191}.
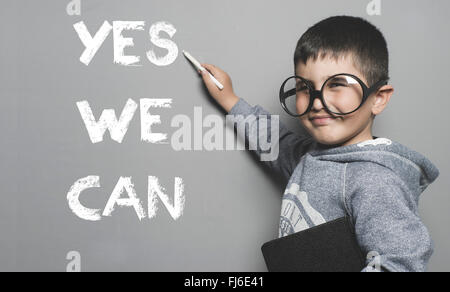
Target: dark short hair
{"x": 340, "y": 35}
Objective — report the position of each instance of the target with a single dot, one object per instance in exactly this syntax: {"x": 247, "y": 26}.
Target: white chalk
{"x": 199, "y": 67}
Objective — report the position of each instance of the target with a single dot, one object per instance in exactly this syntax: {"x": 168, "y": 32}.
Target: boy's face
{"x": 340, "y": 130}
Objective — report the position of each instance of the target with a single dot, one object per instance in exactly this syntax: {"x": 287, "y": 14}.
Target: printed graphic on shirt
{"x": 297, "y": 214}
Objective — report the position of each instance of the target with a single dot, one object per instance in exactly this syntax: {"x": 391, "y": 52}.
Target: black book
{"x": 329, "y": 247}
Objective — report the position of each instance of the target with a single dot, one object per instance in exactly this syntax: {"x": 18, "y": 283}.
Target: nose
{"x": 317, "y": 103}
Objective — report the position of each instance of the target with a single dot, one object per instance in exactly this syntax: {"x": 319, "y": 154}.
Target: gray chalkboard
{"x": 231, "y": 203}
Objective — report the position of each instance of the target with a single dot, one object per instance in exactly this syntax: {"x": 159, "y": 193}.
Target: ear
{"x": 381, "y": 99}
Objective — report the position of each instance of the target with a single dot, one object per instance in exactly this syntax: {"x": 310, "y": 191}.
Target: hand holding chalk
{"x": 226, "y": 97}
{"x": 217, "y": 82}
{"x": 201, "y": 69}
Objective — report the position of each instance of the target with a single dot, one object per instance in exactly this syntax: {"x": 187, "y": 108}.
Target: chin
{"x": 329, "y": 140}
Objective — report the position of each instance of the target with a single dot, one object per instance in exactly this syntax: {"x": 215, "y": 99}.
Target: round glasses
{"x": 341, "y": 94}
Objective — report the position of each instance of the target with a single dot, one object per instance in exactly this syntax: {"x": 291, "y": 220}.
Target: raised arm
{"x": 290, "y": 146}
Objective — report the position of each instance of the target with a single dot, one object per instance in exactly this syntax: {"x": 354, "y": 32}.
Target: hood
{"x": 412, "y": 167}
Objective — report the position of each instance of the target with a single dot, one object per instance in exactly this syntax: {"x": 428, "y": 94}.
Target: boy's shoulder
{"x": 369, "y": 174}
{"x": 371, "y": 185}
{"x": 377, "y": 174}
{"x": 382, "y": 161}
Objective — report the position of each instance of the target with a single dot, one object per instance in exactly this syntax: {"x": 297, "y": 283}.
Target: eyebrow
{"x": 312, "y": 83}
{"x": 325, "y": 78}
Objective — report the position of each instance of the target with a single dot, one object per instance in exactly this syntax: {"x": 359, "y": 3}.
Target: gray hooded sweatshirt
{"x": 376, "y": 183}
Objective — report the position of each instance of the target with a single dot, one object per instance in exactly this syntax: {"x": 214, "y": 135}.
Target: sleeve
{"x": 388, "y": 227}
{"x": 286, "y": 147}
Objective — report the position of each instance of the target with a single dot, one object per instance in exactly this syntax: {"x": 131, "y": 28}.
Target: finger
{"x": 211, "y": 68}
{"x": 207, "y": 80}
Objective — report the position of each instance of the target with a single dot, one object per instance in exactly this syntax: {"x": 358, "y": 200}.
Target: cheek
{"x": 302, "y": 104}
{"x": 306, "y": 123}
{"x": 353, "y": 122}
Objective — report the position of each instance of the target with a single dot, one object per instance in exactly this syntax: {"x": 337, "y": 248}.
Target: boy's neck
{"x": 347, "y": 143}
{"x": 357, "y": 140}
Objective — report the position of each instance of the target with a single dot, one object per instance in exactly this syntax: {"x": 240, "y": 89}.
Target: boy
{"x": 342, "y": 170}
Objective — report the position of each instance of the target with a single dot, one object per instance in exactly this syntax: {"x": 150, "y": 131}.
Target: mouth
{"x": 322, "y": 121}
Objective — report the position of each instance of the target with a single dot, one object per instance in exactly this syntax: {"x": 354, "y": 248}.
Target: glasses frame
{"x": 367, "y": 91}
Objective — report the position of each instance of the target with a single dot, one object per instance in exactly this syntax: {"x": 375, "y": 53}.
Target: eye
{"x": 302, "y": 88}
{"x": 336, "y": 84}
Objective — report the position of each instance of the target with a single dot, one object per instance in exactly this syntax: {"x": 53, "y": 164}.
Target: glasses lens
{"x": 342, "y": 94}
{"x": 295, "y": 96}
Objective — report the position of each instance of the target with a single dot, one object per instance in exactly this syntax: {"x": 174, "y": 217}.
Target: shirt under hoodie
{"x": 377, "y": 183}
